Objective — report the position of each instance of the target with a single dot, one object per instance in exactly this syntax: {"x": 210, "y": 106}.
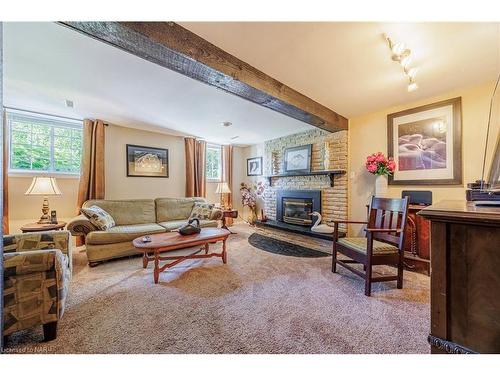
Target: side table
{"x": 35, "y": 227}
{"x": 228, "y": 213}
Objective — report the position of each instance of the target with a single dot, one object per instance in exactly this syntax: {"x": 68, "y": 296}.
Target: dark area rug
{"x": 275, "y": 246}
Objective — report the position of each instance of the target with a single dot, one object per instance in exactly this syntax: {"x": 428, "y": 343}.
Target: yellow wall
{"x": 119, "y": 186}
{"x": 368, "y": 134}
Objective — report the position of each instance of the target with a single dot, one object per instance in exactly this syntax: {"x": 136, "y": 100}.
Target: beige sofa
{"x": 133, "y": 218}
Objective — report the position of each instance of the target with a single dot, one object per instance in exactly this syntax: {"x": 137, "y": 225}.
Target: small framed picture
{"x": 53, "y": 217}
{"x": 145, "y": 161}
{"x": 254, "y": 166}
{"x": 298, "y": 159}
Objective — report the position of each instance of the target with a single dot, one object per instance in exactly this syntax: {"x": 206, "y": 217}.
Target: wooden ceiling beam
{"x": 174, "y": 47}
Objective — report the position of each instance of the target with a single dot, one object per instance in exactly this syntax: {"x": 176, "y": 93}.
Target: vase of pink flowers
{"x": 249, "y": 194}
{"x": 382, "y": 167}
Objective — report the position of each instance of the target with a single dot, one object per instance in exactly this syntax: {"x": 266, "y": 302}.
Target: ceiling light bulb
{"x": 405, "y": 61}
{"x": 398, "y": 48}
{"x": 412, "y": 73}
{"x": 412, "y": 86}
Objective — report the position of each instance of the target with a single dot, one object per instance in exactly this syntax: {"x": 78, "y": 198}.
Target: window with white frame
{"x": 214, "y": 162}
{"x": 42, "y": 143}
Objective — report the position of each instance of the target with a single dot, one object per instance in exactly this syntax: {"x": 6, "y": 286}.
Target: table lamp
{"x": 222, "y": 188}
{"x": 44, "y": 186}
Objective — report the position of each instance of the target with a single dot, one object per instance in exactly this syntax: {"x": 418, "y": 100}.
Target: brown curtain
{"x": 5, "y": 177}
{"x": 196, "y": 182}
{"x": 92, "y": 173}
{"x": 227, "y": 176}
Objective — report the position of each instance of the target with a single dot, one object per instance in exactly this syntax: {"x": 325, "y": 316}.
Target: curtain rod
{"x": 47, "y": 114}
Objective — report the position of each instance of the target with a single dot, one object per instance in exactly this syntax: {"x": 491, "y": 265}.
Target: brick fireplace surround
{"x": 333, "y": 199}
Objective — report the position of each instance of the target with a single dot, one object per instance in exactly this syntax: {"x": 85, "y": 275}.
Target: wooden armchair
{"x": 382, "y": 245}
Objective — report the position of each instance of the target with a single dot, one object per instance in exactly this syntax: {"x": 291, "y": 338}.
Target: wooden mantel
{"x": 330, "y": 173}
{"x": 174, "y": 47}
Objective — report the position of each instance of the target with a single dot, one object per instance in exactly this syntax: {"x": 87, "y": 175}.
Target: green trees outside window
{"x": 214, "y": 162}
{"x": 45, "y": 144}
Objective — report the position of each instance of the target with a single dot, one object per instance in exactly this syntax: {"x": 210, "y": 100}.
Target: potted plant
{"x": 249, "y": 194}
{"x": 382, "y": 167}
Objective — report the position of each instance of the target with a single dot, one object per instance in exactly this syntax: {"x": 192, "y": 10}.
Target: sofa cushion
{"x": 99, "y": 217}
{"x": 122, "y": 233}
{"x": 168, "y": 209}
{"x": 201, "y": 211}
{"x": 175, "y": 224}
{"x": 126, "y": 212}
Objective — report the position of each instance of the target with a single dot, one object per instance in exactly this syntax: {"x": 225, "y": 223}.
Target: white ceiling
{"x": 46, "y": 63}
{"x": 346, "y": 66}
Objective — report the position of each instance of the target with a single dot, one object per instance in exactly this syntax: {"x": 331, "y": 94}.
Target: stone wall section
{"x": 334, "y": 146}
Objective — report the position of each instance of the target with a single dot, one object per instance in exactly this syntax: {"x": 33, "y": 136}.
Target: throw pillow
{"x": 201, "y": 211}
{"x": 99, "y": 217}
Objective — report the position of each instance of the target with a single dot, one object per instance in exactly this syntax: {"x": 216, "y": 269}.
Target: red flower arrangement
{"x": 379, "y": 165}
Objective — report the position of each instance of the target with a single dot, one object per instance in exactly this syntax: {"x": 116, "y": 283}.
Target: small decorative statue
{"x": 318, "y": 227}
{"x": 190, "y": 228}
{"x": 263, "y": 216}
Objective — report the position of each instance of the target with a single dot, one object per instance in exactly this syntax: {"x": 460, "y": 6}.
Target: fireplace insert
{"x": 295, "y": 206}
{"x": 297, "y": 211}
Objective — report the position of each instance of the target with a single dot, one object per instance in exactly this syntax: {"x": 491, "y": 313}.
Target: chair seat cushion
{"x": 359, "y": 244}
{"x": 122, "y": 233}
{"x": 176, "y": 224}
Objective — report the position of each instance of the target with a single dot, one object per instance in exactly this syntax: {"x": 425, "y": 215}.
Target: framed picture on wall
{"x": 143, "y": 161}
{"x": 297, "y": 159}
{"x": 254, "y": 166}
{"x": 426, "y": 143}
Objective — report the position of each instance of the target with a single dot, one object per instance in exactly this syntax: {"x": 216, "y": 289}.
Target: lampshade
{"x": 222, "y": 188}
{"x": 43, "y": 186}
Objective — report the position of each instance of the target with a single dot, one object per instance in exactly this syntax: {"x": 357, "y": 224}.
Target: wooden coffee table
{"x": 164, "y": 242}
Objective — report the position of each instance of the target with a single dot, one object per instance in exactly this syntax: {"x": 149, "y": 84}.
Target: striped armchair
{"x": 37, "y": 270}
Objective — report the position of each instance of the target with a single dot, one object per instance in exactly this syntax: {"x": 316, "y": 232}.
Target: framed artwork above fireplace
{"x": 297, "y": 159}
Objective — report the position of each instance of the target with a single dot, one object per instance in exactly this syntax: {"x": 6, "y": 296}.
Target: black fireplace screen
{"x": 297, "y": 211}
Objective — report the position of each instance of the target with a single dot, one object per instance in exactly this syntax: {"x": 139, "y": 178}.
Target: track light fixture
{"x": 402, "y": 55}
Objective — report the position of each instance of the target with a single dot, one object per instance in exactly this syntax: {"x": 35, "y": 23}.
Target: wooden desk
{"x": 465, "y": 277}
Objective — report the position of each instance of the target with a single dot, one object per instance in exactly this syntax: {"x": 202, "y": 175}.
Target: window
{"x": 40, "y": 143}
{"x": 214, "y": 162}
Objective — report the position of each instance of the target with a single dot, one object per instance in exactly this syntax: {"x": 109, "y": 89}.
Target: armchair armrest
{"x": 382, "y": 230}
{"x": 34, "y": 261}
{"x": 38, "y": 241}
{"x": 345, "y": 222}
{"x": 32, "y": 242}
{"x": 80, "y": 226}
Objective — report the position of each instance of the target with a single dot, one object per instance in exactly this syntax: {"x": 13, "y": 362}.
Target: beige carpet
{"x": 258, "y": 303}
